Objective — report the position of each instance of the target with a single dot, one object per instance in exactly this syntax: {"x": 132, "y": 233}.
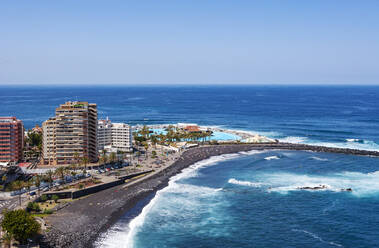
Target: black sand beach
{"x": 81, "y": 222}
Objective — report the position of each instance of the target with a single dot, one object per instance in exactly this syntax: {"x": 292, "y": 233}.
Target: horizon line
{"x": 187, "y": 84}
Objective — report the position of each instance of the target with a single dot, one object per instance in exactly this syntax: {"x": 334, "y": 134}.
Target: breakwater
{"x": 80, "y": 223}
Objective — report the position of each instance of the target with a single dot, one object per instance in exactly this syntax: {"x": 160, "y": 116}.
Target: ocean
{"x": 246, "y": 199}
{"x": 338, "y": 116}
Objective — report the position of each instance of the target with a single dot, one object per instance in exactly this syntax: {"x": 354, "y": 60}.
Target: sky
{"x": 189, "y": 42}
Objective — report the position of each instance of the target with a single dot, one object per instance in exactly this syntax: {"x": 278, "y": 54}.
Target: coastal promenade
{"x": 82, "y": 221}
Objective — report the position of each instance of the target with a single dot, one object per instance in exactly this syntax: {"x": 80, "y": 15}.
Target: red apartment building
{"x": 11, "y": 139}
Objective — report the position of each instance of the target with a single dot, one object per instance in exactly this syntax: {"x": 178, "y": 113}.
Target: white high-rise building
{"x": 104, "y": 134}
{"x": 121, "y": 136}
{"x": 114, "y": 136}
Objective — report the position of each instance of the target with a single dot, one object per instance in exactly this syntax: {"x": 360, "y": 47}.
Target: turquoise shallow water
{"x": 253, "y": 200}
{"x": 216, "y": 135}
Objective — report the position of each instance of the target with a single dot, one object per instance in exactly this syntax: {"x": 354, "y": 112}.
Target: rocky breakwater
{"x": 80, "y": 223}
{"x": 304, "y": 147}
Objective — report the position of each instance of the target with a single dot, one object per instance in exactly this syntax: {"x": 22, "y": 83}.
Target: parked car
{"x": 32, "y": 193}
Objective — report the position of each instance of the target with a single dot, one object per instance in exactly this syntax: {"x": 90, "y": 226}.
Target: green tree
{"x": 154, "y": 154}
{"x": 33, "y": 206}
{"x": 85, "y": 161}
{"x": 43, "y": 198}
{"x": 55, "y": 198}
{"x": 34, "y": 139}
{"x": 18, "y": 185}
{"x": 104, "y": 159}
{"x": 20, "y": 224}
{"x": 112, "y": 157}
{"x": 146, "y": 146}
{"x": 76, "y": 158}
{"x": 145, "y": 132}
{"x": 60, "y": 172}
{"x": 28, "y": 184}
{"x": 139, "y": 139}
{"x": 154, "y": 140}
{"x": 4, "y": 179}
{"x": 49, "y": 177}
{"x": 37, "y": 182}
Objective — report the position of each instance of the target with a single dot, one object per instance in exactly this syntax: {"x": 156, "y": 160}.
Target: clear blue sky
{"x": 133, "y": 42}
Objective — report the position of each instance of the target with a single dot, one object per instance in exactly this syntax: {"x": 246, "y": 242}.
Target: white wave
{"x": 245, "y": 183}
{"x": 320, "y": 186}
{"x": 330, "y": 207}
{"x": 352, "y": 140}
{"x": 319, "y": 159}
{"x": 360, "y": 145}
{"x": 293, "y": 139}
{"x": 317, "y": 237}
{"x": 271, "y": 157}
{"x": 362, "y": 184}
{"x": 271, "y": 134}
{"x": 253, "y": 152}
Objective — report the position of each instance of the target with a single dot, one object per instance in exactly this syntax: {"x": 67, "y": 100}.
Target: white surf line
{"x": 317, "y": 237}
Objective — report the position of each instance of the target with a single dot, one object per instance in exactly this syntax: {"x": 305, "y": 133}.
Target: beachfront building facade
{"x": 114, "y": 136}
{"x": 104, "y": 134}
{"x": 70, "y": 134}
{"x": 122, "y": 137}
{"x": 11, "y": 139}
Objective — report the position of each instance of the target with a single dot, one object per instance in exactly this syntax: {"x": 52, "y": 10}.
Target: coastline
{"x": 81, "y": 223}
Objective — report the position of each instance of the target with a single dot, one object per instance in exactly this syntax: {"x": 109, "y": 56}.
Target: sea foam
{"x": 271, "y": 157}
{"x": 362, "y": 184}
{"x": 245, "y": 183}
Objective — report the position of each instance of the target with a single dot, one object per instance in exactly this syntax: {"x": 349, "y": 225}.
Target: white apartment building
{"x": 104, "y": 134}
{"x": 114, "y": 136}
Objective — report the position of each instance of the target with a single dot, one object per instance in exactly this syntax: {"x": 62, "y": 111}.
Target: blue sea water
{"x": 343, "y": 116}
{"x": 250, "y": 199}
{"x": 253, "y": 200}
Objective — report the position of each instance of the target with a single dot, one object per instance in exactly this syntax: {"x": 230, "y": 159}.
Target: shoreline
{"x": 82, "y": 222}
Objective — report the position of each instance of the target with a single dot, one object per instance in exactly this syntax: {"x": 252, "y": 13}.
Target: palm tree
{"x": 103, "y": 159}
{"x": 146, "y": 146}
{"x": 145, "y": 132}
{"x": 154, "y": 140}
{"x": 112, "y": 157}
{"x": 76, "y": 157}
{"x": 4, "y": 179}
{"x": 85, "y": 162}
{"x": 49, "y": 177}
{"x": 37, "y": 182}
{"x": 18, "y": 185}
{"x": 28, "y": 185}
{"x": 60, "y": 172}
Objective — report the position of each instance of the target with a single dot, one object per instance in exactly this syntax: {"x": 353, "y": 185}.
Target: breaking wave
{"x": 319, "y": 159}
{"x": 362, "y": 184}
{"x": 245, "y": 183}
{"x": 271, "y": 157}
{"x": 317, "y": 237}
